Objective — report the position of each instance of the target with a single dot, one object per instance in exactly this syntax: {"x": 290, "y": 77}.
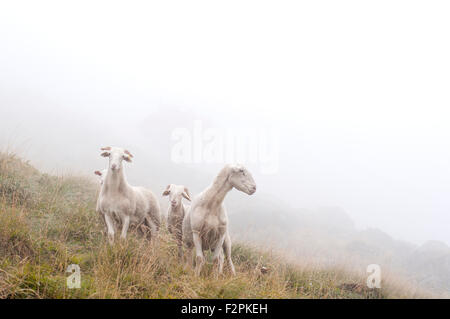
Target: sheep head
{"x": 175, "y": 193}
{"x": 241, "y": 179}
{"x": 116, "y": 156}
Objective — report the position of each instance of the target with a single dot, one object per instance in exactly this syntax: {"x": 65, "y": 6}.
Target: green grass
{"x": 48, "y": 223}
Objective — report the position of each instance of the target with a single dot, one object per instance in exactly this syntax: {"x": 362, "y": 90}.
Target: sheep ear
{"x": 98, "y": 173}
{"x": 127, "y": 158}
{"x": 105, "y": 154}
{"x": 186, "y": 194}
{"x": 167, "y": 191}
{"x": 235, "y": 169}
{"x": 106, "y": 148}
{"x": 128, "y": 153}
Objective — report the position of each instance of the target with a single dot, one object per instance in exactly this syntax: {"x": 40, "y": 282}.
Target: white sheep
{"x": 205, "y": 225}
{"x": 102, "y": 175}
{"x": 176, "y": 212}
{"x": 118, "y": 200}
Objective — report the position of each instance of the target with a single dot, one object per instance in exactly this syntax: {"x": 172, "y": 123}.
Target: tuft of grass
{"x": 49, "y": 222}
{"x": 15, "y": 239}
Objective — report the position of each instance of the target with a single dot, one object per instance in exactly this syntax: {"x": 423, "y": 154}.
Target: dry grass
{"x": 48, "y": 223}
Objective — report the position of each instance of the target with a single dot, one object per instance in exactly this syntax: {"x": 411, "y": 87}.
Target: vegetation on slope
{"x": 48, "y": 223}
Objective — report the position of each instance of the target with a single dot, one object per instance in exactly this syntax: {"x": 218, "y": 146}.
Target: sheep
{"x": 205, "y": 225}
{"x": 102, "y": 175}
{"x": 118, "y": 200}
{"x": 176, "y": 212}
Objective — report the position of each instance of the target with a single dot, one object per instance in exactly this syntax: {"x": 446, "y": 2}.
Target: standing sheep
{"x": 205, "y": 226}
{"x": 130, "y": 205}
{"x": 102, "y": 176}
{"x": 176, "y": 212}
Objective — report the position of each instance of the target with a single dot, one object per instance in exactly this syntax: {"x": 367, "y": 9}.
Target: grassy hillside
{"x": 48, "y": 223}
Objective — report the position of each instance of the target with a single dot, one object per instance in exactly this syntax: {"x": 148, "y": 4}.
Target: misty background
{"x": 357, "y": 92}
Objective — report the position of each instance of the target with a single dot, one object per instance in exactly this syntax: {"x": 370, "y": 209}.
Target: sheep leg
{"x": 103, "y": 220}
{"x": 145, "y": 228}
{"x": 153, "y": 227}
{"x": 200, "y": 259}
{"x": 227, "y": 250}
{"x": 141, "y": 229}
{"x": 179, "y": 236}
{"x": 180, "y": 248}
{"x": 221, "y": 260}
{"x": 218, "y": 262}
{"x": 217, "y": 252}
{"x": 126, "y": 224}
{"x": 188, "y": 257}
{"x": 110, "y": 227}
{"x": 218, "y": 248}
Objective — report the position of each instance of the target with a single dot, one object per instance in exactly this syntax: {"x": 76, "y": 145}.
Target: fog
{"x": 356, "y": 96}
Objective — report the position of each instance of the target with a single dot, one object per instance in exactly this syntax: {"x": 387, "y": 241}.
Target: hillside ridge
{"x": 49, "y": 222}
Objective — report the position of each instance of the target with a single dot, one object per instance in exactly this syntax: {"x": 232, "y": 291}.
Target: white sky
{"x": 359, "y": 89}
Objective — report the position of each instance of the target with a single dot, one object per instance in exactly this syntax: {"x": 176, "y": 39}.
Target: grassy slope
{"x": 48, "y": 223}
